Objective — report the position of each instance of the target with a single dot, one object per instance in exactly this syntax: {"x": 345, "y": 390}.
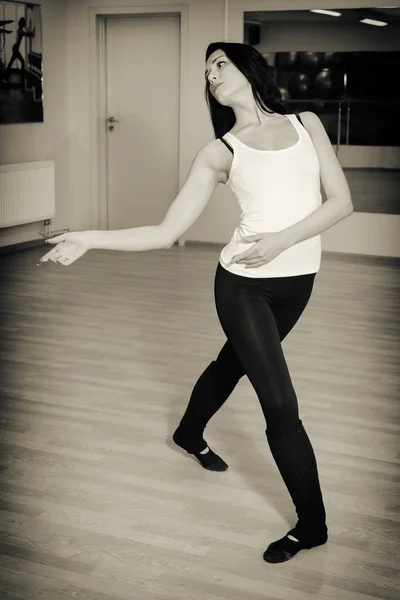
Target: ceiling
{"x": 390, "y": 15}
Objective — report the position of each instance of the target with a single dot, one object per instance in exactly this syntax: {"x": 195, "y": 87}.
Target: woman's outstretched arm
{"x": 187, "y": 207}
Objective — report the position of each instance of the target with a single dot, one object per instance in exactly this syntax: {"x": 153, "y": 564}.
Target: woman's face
{"x": 225, "y": 79}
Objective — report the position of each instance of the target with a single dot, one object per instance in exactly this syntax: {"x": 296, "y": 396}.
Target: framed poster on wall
{"x": 21, "y": 64}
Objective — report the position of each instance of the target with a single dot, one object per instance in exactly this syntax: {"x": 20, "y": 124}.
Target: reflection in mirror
{"x": 342, "y": 64}
{"x": 21, "y": 79}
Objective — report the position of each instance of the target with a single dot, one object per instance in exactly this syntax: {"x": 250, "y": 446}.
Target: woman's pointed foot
{"x": 288, "y": 546}
{"x": 211, "y": 461}
{"x": 207, "y": 458}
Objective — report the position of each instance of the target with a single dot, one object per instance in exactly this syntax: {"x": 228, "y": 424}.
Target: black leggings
{"x": 256, "y": 314}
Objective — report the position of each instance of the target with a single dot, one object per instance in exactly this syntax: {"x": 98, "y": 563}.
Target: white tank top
{"x": 275, "y": 189}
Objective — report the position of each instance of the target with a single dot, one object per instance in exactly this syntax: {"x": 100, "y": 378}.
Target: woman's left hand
{"x": 70, "y": 247}
{"x": 269, "y": 246}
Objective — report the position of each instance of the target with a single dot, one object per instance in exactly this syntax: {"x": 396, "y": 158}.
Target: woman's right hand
{"x": 70, "y": 246}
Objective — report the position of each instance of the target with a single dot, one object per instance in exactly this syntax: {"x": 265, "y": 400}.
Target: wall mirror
{"x": 342, "y": 64}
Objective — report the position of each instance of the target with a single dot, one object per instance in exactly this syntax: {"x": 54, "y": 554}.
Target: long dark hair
{"x": 255, "y": 68}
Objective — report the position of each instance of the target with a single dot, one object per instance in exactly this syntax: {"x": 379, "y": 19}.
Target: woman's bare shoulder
{"x": 215, "y": 155}
{"x": 311, "y": 119}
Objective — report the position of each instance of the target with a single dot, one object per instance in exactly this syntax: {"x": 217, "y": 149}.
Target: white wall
{"x": 50, "y": 140}
{"x": 65, "y": 134}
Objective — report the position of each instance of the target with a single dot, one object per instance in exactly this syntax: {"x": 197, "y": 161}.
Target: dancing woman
{"x": 274, "y": 163}
{"x": 16, "y": 54}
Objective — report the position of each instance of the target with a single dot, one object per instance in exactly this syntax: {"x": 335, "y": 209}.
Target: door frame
{"x": 98, "y": 94}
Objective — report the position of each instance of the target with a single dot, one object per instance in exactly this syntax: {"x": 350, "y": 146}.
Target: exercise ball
{"x": 284, "y": 93}
{"x": 300, "y": 85}
{"x": 328, "y": 84}
{"x": 270, "y": 58}
{"x": 310, "y": 61}
{"x": 286, "y": 61}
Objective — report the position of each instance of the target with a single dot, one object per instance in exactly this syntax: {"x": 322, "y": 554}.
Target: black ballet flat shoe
{"x": 285, "y": 548}
{"x": 209, "y": 460}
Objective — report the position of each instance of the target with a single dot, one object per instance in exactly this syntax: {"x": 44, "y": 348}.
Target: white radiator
{"x": 26, "y": 193}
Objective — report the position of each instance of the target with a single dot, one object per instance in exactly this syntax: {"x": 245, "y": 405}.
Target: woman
{"x": 16, "y": 54}
{"x": 261, "y": 289}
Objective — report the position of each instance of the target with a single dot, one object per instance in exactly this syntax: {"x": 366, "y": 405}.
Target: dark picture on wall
{"x": 21, "y": 73}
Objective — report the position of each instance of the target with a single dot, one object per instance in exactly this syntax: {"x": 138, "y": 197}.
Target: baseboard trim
{"x": 21, "y": 246}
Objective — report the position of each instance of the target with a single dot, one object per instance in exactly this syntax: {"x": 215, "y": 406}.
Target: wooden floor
{"x": 98, "y": 362}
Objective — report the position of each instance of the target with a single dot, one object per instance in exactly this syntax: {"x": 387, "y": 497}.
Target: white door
{"x": 143, "y": 90}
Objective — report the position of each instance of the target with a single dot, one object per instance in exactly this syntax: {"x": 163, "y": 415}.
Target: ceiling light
{"x": 373, "y": 22}
{"x": 331, "y": 13}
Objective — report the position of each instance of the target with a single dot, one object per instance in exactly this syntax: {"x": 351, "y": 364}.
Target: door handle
{"x": 112, "y": 120}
